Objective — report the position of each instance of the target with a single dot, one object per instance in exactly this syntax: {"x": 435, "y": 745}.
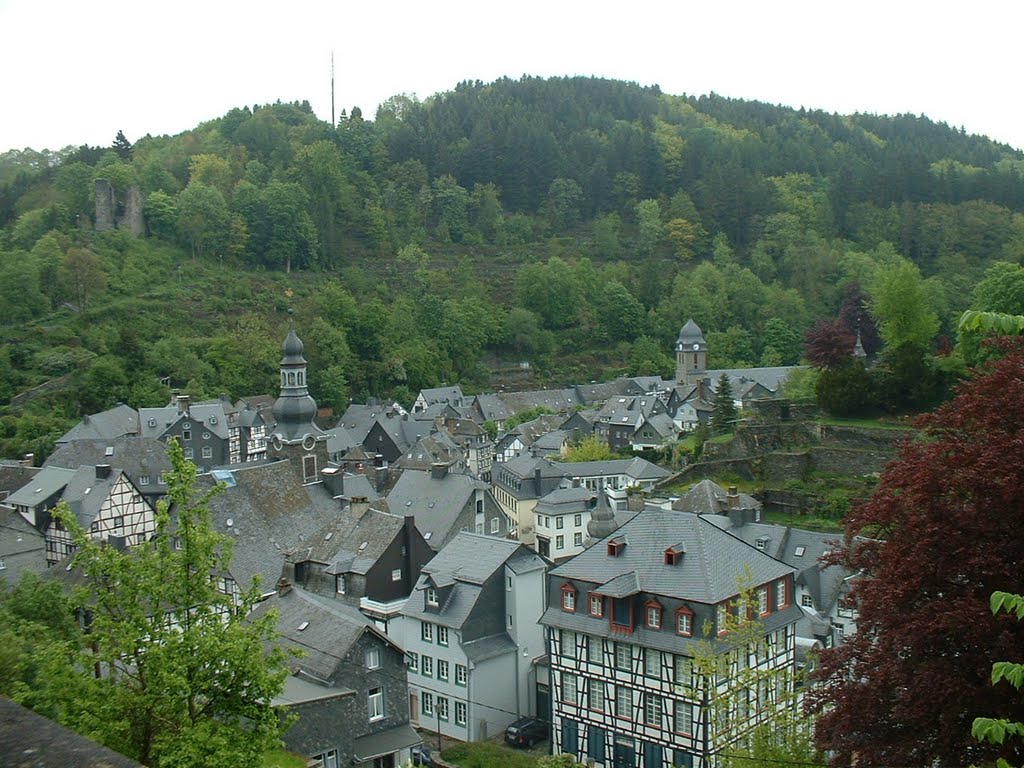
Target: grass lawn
{"x": 866, "y": 423}
{"x": 281, "y": 759}
{"x": 808, "y": 523}
{"x": 486, "y": 754}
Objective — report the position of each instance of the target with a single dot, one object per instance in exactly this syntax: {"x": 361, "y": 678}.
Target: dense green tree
{"x": 846, "y": 389}
{"x": 203, "y": 219}
{"x": 648, "y": 358}
{"x": 782, "y": 339}
{"x": 723, "y": 407}
{"x": 650, "y": 230}
{"x": 81, "y": 276}
{"x": 619, "y": 315}
{"x": 901, "y": 306}
{"x": 287, "y": 236}
{"x": 20, "y": 296}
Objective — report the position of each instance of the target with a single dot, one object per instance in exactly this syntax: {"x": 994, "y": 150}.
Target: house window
{"x": 683, "y": 672}
{"x": 508, "y": 583}
{"x": 684, "y": 622}
{"x": 327, "y": 759}
{"x": 186, "y": 434}
{"x": 373, "y": 658}
{"x": 189, "y": 453}
{"x": 622, "y": 613}
{"x": 568, "y": 688}
{"x": 623, "y": 656}
{"x": 596, "y": 696}
{"x": 652, "y": 709}
{"x": 559, "y": 542}
{"x": 596, "y": 605}
{"x": 460, "y": 674}
{"x": 396, "y": 574}
{"x": 143, "y": 479}
{"x": 595, "y": 650}
{"x": 442, "y": 670}
{"x": 460, "y": 713}
{"x": 414, "y": 662}
{"x": 207, "y": 452}
{"x": 426, "y": 632}
{"x": 577, "y": 520}
{"x": 624, "y": 702}
{"x": 442, "y": 635}
{"x": 762, "y": 601}
{"x": 375, "y": 703}
{"x": 119, "y": 522}
{"x": 427, "y": 704}
{"x": 495, "y": 528}
{"x": 722, "y": 616}
{"x": 309, "y": 473}
{"x": 653, "y": 616}
{"x": 431, "y": 596}
{"x": 683, "y": 721}
{"x": 781, "y": 598}
{"x": 577, "y": 540}
{"x": 807, "y": 601}
{"x": 568, "y": 598}
{"x": 652, "y": 663}
{"x": 340, "y": 584}
{"x": 427, "y": 665}
{"x": 559, "y": 522}
{"x": 3, "y": 564}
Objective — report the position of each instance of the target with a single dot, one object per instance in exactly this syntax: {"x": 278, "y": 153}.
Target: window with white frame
{"x": 460, "y": 713}
{"x": 595, "y": 650}
{"x": 683, "y": 720}
{"x": 495, "y": 528}
{"x": 559, "y": 541}
{"x": 207, "y": 452}
{"x": 414, "y": 661}
{"x": 442, "y": 670}
{"x": 577, "y": 540}
{"x": 373, "y": 658}
{"x": 431, "y": 596}
{"x": 806, "y": 601}
{"x": 442, "y": 707}
{"x": 683, "y": 672}
{"x": 427, "y": 665}
{"x": 623, "y": 656}
{"x": 460, "y": 674}
{"x": 596, "y": 605}
{"x": 654, "y": 616}
{"x": 624, "y": 702}
{"x": 427, "y": 704}
{"x": 595, "y": 696}
{"x": 568, "y": 688}
{"x": 327, "y": 759}
{"x": 340, "y": 584}
{"x": 559, "y": 522}
{"x": 396, "y": 574}
{"x": 652, "y": 662}
{"x": 568, "y": 599}
{"x": 780, "y": 595}
{"x": 375, "y": 703}
{"x": 426, "y": 632}
{"x": 762, "y": 601}
{"x": 722, "y": 617}
{"x": 684, "y": 623}
{"x": 442, "y": 635}
{"x": 577, "y": 520}
{"x": 652, "y": 709}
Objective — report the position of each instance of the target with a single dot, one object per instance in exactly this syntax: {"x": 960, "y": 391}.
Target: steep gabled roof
{"x": 636, "y": 468}
{"x": 708, "y": 571}
{"x": 348, "y": 544}
{"x": 436, "y": 502}
{"x": 137, "y": 456}
{"x": 708, "y": 497}
{"x": 107, "y": 425}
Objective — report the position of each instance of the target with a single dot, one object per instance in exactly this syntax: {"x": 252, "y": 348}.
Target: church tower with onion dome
{"x": 691, "y": 354}
{"x": 294, "y": 436}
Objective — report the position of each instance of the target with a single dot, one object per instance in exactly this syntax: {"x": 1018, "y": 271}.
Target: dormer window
{"x": 432, "y": 596}
{"x": 674, "y": 554}
{"x": 684, "y": 622}
{"x": 569, "y": 598}
{"x": 762, "y": 542}
{"x": 762, "y": 601}
{"x": 616, "y": 547}
{"x": 652, "y": 614}
{"x": 722, "y": 618}
{"x": 781, "y": 594}
{"x": 597, "y": 606}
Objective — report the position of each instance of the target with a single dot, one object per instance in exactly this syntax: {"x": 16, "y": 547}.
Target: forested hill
{"x": 572, "y": 222}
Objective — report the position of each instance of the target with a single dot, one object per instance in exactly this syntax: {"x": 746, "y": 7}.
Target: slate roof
{"x": 86, "y": 493}
{"x": 115, "y": 422}
{"x": 566, "y": 500}
{"x": 451, "y": 395}
{"x": 769, "y": 378}
{"x": 29, "y": 740}
{"x": 271, "y": 514}
{"x": 491, "y": 408}
{"x": 48, "y": 481}
{"x": 340, "y": 440}
{"x": 349, "y": 544}
{"x": 468, "y": 561}
{"x": 15, "y": 475}
{"x": 438, "y": 448}
{"x": 556, "y": 400}
{"x": 331, "y": 629}
{"x": 137, "y": 456}
{"x": 708, "y": 497}
{"x": 435, "y": 502}
{"x": 636, "y": 468}
{"x": 358, "y": 419}
{"x": 707, "y": 573}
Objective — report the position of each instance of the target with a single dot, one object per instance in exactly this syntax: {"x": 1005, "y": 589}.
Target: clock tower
{"x": 691, "y": 354}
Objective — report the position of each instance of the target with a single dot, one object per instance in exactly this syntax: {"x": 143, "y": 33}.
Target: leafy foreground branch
{"x": 169, "y": 671}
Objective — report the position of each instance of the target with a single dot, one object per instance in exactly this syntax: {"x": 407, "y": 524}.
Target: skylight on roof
{"x": 303, "y": 625}
{"x": 109, "y": 451}
{"x": 800, "y": 551}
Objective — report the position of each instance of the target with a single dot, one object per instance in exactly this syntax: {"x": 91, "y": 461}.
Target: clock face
{"x": 696, "y": 347}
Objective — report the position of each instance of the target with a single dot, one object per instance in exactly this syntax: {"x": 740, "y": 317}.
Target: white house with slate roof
{"x": 624, "y": 622}
{"x": 471, "y": 634}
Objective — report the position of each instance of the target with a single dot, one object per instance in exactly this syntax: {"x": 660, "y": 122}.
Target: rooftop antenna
{"x": 333, "y": 122}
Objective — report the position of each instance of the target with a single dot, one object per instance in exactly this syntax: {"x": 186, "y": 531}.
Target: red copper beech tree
{"x": 944, "y": 530}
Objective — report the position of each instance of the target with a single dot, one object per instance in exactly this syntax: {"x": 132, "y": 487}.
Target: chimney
{"x": 536, "y": 481}
{"x": 183, "y": 401}
{"x": 438, "y": 471}
{"x": 732, "y": 498}
{"x": 28, "y": 460}
{"x": 700, "y": 389}
{"x": 283, "y": 587}
{"x": 378, "y": 460}
{"x": 334, "y": 480}
{"x": 359, "y": 506}
{"x": 102, "y": 471}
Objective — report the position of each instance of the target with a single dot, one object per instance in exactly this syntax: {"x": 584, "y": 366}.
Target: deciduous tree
{"x": 932, "y": 544}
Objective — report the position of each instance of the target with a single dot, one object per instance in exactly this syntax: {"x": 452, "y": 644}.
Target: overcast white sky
{"x": 77, "y": 71}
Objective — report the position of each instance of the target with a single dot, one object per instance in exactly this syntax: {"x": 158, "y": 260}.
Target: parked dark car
{"x": 526, "y": 732}
{"x": 421, "y": 755}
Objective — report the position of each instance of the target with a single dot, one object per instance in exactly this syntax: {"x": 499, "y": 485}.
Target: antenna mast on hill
{"x": 333, "y": 122}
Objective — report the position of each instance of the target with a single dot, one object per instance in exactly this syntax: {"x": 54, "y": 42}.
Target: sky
{"x": 77, "y": 71}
